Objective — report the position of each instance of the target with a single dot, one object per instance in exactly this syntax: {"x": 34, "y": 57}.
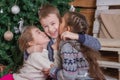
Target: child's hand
{"x": 51, "y": 65}
{"x": 46, "y": 71}
{"x": 69, "y": 35}
{"x": 36, "y": 48}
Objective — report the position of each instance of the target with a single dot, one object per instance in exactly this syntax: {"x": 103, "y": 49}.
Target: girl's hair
{"x": 25, "y": 37}
{"x": 77, "y": 22}
{"x": 47, "y": 9}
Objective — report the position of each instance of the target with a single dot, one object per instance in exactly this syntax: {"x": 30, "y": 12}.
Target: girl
{"x": 37, "y": 61}
{"x": 79, "y": 62}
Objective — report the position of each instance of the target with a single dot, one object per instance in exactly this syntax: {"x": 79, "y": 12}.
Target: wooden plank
{"x": 107, "y": 2}
{"x": 84, "y": 3}
{"x": 109, "y": 64}
{"x": 112, "y": 44}
{"x": 89, "y": 14}
{"x": 110, "y": 49}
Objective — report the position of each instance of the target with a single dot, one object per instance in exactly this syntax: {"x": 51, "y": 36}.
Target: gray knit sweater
{"x": 74, "y": 65}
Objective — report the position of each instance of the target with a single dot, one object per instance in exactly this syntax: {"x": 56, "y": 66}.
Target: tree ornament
{"x": 20, "y": 29}
{"x": 72, "y": 8}
{"x": 1, "y": 11}
{"x": 15, "y": 9}
{"x": 16, "y": 30}
{"x": 21, "y": 25}
{"x": 8, "y": 35}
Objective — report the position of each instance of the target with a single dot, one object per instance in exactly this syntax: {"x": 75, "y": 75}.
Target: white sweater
{"x": 33, "y": 66}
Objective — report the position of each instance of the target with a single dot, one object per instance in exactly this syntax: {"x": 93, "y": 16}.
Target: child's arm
{"x": 83, "y": 38}
{"x": 90, "y": 41}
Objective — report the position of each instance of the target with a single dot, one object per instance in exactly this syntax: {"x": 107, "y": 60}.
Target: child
{"x": 79, "y": 62}
{"x": 37, "y": 61}
{"x": 50, "y": 20}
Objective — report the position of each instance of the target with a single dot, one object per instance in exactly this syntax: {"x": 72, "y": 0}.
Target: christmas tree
{"x": 13, "y": 15}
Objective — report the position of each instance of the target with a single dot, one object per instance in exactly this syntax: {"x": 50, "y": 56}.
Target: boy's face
{"x": 39, "y": 37}
{"x": 50, "y": 25}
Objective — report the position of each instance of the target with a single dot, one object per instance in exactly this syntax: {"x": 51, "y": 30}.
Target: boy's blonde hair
{"x": 25, "y": 37}
{"x": 47, "y": 9}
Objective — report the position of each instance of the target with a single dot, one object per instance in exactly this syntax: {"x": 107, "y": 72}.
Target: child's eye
{"x": 39, "y": 32}
{"x": 45, "y": 26}
{"x": 53, "y": 23}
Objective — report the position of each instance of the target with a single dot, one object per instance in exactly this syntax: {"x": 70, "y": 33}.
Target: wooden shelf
{"x": 84, "y": 3}
{"x": 111, "y": 74}
{"x": 109, "y": 56}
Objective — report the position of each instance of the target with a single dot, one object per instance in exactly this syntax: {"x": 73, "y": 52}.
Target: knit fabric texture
{"x": 74, "y": 64}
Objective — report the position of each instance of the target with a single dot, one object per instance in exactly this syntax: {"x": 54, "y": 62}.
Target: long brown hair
{"x": 25, "y": 37}
{"x": 78, "y": 24}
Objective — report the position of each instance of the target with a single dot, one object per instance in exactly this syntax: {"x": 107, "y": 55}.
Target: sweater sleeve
{"x": 89, "y": 41}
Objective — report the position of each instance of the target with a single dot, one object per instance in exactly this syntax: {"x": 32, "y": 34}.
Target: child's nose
{"x": 51, "y": 29}
{"x": 43, "y": 33}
